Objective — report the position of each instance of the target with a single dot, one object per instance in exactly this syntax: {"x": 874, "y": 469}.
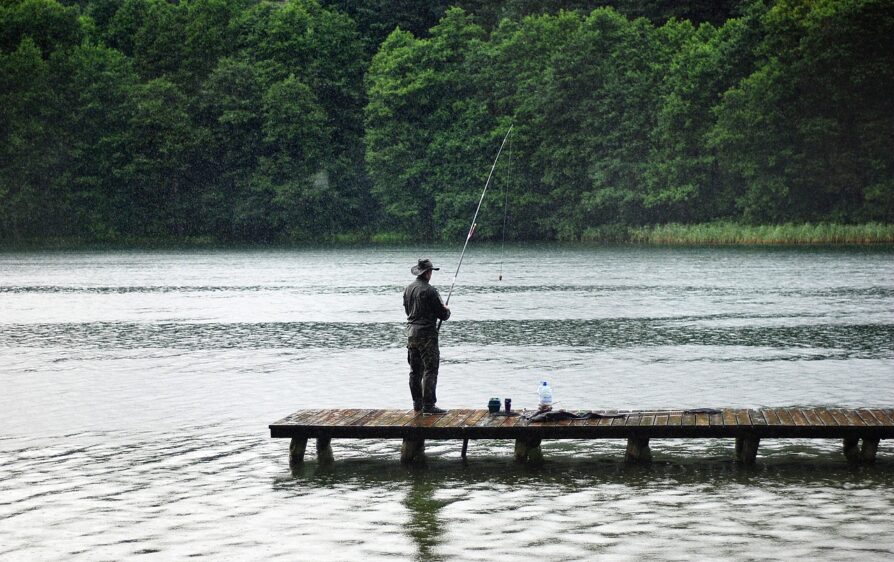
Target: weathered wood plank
{"x": 390, "y": 418}
{"x": 474, "y": 418}
{"x": 799, "y": 418}
{"x": 757, "y": 417}
{"x": 853, "y": 418}
{"x": 770, "y": 416}
{"x": 839, "y": 417}
{"x": 826, "y": 416}
{"x": 785, "y": 418}
{"x": 304, "y": 416}
{"x": 351, "y": 416}
{"x": 620, "y": 422}
{"x": 451, "y": 418}
{"x": 812, "y": 417}
{"x": 867, "y": 417}
{"x": 489, "y": 421}
{"x": 729, "y": 417}
{"x": 702, "y": 420}
{"x": 883, "y": 416}
{"x": 604, "y": 422}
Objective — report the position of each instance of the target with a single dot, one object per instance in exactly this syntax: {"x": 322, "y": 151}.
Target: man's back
{"x": 424, "y": 308}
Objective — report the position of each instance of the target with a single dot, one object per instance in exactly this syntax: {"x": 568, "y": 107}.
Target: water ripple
{"x": 846, "y": 340}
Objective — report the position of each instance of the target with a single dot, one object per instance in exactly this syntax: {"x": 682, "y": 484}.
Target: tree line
{"x": 246, "y": 120}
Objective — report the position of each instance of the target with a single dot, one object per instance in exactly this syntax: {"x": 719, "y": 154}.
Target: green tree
{"x": 31, "y": 202}
{"x": 806, "y": 133}
{"x": 49, "y": 24}
{"x": 682, "y": 178}
{"x": 159, "y": 176}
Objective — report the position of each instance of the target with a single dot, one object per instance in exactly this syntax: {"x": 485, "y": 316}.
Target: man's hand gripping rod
{"x": 472, "y": 228}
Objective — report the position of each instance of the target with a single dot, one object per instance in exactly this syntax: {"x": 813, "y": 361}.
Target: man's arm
{"x": 406, "y": 303}
{"x": 441, "y": 310}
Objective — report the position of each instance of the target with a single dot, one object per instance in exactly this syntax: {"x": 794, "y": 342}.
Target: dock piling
{"x": 870, "y": 446}
{"x": 324, "y": 450}
{"x": 528, "y": 450}
{"x": 852, "y": 449}
{"x": 746, "y": 448}
{"x": 638, "y": 450}
{"x": 412, "y": 450}
{"x": 297, "y": 447}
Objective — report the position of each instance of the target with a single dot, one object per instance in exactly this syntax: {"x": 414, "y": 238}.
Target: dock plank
{"x": 729, "y": 417}
{"x": 867, "y": 417}
{"x": 742, "y": 418}
{"x": 451, "y": 418}
{"x": 785, "y": 418}
{"x": 757, "y": 417}
{"x": 620, "y": 422}
{"x": 604, "y": 422}
{"x": 883, "y": 416}
{"x": 839, "y": 417}
{"x": 853, "y": 418}
{"x": 478, "y": 424}
{"x": 812, "y": 417}
{"x": 798, "y": 417}
{"x": 474, "y": 417}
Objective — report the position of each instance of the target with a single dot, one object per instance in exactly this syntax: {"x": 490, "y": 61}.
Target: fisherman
{"x": 424, "y": 307}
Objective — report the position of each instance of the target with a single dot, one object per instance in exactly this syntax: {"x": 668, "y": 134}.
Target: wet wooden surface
{"x": 479, "y": 424}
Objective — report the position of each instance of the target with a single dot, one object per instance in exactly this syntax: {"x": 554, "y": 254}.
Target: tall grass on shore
{"x": 728, "y": 233}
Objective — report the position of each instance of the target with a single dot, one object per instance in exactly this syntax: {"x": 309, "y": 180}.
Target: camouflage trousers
{"x": 424, "y": 358}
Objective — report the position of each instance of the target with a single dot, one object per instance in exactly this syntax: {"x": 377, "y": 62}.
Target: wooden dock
{"x": 860, "y": 429}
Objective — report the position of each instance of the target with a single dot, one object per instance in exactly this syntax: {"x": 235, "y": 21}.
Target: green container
{"x": 493, "y": 405}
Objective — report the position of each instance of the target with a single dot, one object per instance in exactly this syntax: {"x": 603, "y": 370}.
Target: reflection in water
{"x": 424, "y": 526}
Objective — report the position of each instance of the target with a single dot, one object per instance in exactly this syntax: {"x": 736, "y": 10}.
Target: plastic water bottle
{"x": 546, "y": 396}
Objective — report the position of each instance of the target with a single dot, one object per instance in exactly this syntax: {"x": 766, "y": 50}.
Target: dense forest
{"x": 309, "y": 120}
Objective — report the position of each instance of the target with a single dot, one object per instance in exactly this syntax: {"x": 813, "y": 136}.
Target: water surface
{"x": 137, "y": 387}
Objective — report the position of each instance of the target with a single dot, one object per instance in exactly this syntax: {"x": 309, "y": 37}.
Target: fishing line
{"x": 474, "y": 218}
{"x": 505, "y": 206}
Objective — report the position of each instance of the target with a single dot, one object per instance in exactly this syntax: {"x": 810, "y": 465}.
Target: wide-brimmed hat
{"x": 423, "y": 266}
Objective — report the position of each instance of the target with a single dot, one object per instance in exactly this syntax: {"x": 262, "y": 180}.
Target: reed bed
{"x": 728, "y": 233}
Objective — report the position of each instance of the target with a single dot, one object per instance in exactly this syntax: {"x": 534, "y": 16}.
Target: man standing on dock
{"x": 424, "y": 308}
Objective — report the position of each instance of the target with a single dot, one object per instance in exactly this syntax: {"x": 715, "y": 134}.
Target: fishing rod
{"x": 474, "y": 218}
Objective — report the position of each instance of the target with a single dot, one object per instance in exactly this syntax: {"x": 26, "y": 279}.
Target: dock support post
{"x": 324, "y": 450}
{"x": 638, "y": 450}
{"x": 465, "y": 448}
{"x": 296, "y": 450}
{"x": 870, "y": 446}
{"x": 412, "y": 450}
{"x": 746, "y": 448}
{"x": 528, "y": 450}
{"x": 852, "y": 449}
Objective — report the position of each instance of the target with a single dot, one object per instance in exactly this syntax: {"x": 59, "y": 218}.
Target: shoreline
{"x": 702, "y": 234}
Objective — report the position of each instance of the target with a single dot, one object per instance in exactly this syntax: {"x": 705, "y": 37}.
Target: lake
{"x": 136, "y": 388}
